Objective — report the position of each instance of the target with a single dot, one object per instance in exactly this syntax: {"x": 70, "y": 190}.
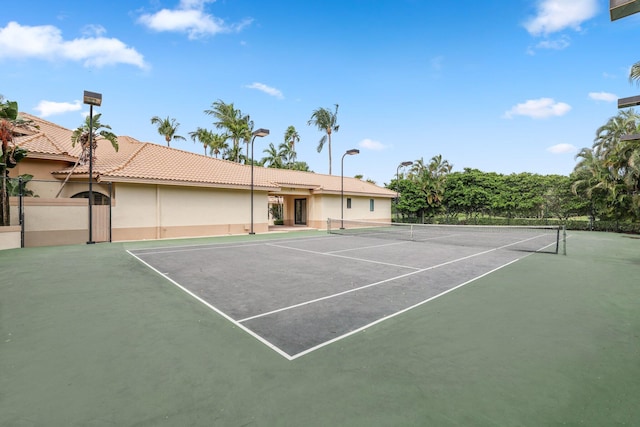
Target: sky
{"x": 504, "y": 86}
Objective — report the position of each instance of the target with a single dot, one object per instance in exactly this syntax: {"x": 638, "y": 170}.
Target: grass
{"x": 89, "y": 336}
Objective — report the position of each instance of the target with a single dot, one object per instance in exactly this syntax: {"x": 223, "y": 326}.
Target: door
{"x": 301, "y": 212}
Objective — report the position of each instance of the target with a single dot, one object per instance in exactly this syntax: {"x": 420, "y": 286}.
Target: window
{"x": 98, "y": 198}
{"x": 348, "y": 203}
{"x": 371, "y": 205}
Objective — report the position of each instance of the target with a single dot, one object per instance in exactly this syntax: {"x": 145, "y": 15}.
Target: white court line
{"x": 397, "y": 313}
{"x": 404, "y": 242}
{"x": 343, "y": 256}
{"x": 313, "y": 301}
{"x": 221, "y": 313}
{"x": 188, "y": 248}
{"x": 309, "y": 350}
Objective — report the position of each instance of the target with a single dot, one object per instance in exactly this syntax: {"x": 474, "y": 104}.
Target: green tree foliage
{"x": 216, "y": 143}
{"x": 236, "y": 126}
{"x": 473, "y": 193}
{"x": 10, "y": 154}
{"x": 608, "y": 174}
{"x": 327, "y": 122}
{"x": 168, "y": 128}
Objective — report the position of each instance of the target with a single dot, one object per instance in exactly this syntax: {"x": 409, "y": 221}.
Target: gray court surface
{"x": 297, "y": 295}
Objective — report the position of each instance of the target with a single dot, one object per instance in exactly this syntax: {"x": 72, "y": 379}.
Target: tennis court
{"x": 298, "y": 295}
{"x": 92, "y": 336}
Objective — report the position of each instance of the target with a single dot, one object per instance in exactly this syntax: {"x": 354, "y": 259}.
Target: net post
{"x": 328, "y": 225}
{"x": 564, "y": 239}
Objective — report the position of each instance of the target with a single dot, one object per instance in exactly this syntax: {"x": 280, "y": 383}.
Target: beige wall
{"x": 323, "y": 206}
{"x": 145, "y": 211}
{"x": 53, "y": 221}
{"x": 9, "y": 237}
{"x": 40, "y": 169}
{"x": 158, "y": 211}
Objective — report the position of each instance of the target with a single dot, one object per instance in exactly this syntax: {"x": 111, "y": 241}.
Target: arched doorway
{"x": 101, "y": 215}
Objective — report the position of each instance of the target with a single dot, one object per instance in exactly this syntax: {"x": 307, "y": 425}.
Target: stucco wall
{"x": 9, "y": 237}
{"x": 158, "y": 211}
{"x": 49, "y": 221}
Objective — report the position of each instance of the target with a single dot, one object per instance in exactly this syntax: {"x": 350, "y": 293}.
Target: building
{"x": 149, "y": 191}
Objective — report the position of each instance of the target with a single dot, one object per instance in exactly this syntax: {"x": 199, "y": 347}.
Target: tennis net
{"x": 520, "y": 238}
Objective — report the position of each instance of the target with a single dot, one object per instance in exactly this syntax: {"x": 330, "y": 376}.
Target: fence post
{"x": 21, "y": 210}
{"x": 110, "y": 204}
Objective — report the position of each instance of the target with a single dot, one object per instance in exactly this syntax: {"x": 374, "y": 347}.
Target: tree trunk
{"x": 5, "y": 218}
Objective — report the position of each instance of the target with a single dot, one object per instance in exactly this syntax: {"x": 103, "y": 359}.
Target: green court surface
{"x": 89, "y": 336}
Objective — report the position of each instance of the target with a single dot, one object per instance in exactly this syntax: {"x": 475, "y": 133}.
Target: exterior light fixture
{"x": 261, "y": 133}
{"x": 351, "y": 152}
{"x": 91, "y": 99}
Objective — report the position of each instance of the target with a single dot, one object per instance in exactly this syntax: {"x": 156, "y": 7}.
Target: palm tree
{"x": 81, "y": 135}
{"x": 213, "y": 141}
{"x": 10, "y": 155}
{"x": 287, "y": 154}
{"x": 291, "y": 136}
{"x": 326, "y": 122}
{"x": 634, "y": 73}
{"x": 273, "y": 158}
{"x": 218, "y": 144}
{"x": 167, "y": 128}
{"x": 430, "y": 179}
{"x": 237, "y": 126}
{"x": 608, "y": 136}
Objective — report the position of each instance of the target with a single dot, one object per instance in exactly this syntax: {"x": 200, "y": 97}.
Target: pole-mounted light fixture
{"x": 347, "y": 153}
{"x": 91, "y": 99}
{"x": 261, "y": 133}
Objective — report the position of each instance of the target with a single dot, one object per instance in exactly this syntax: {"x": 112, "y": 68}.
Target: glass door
{"x": 301, "y": 211}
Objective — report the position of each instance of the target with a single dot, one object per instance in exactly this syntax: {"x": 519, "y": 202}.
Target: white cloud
{"x": 557, "y": 44}
{"x": 50, "y": 108}
{"x": 562, "y": 149}
{"x": 190, "y": 18}
{"x": 371, "y": 145}
{"x": 603, "y": 96}
{"x": 266, "y": 89}
{"x": 557, "y": 15}
{"x": 539, "y": 109}
{"x": 46, "y": 42}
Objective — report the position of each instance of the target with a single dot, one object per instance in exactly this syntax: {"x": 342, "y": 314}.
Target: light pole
{"x": 91, "y": 99}
{"x": 260, "y": 132}
{"x": 403, "y": 164}
{"x": 350, "y": 153}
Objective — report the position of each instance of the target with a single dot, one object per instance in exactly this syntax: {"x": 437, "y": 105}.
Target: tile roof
{"x": 147, "y": 162}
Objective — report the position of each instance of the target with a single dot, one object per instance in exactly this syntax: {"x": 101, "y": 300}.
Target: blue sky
{"x": 499, "y": 85}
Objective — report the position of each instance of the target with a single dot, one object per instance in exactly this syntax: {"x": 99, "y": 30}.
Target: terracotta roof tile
{"x": 144, "y": 161}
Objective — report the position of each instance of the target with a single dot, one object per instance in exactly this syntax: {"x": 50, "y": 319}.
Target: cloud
{"x": 190, "y": 18}
{"x": 46, "y": 42}
{"x": 371, "y": 145}
{"x": 50, "y": 108}
{"x": 603, "y": 96}
{"x": 539, "y": 109}
{"x": 557, "y": 15}
{"x": 562, "y": 149}
{"x": 560, "y": 43}
{"x": 266, "y": 89}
